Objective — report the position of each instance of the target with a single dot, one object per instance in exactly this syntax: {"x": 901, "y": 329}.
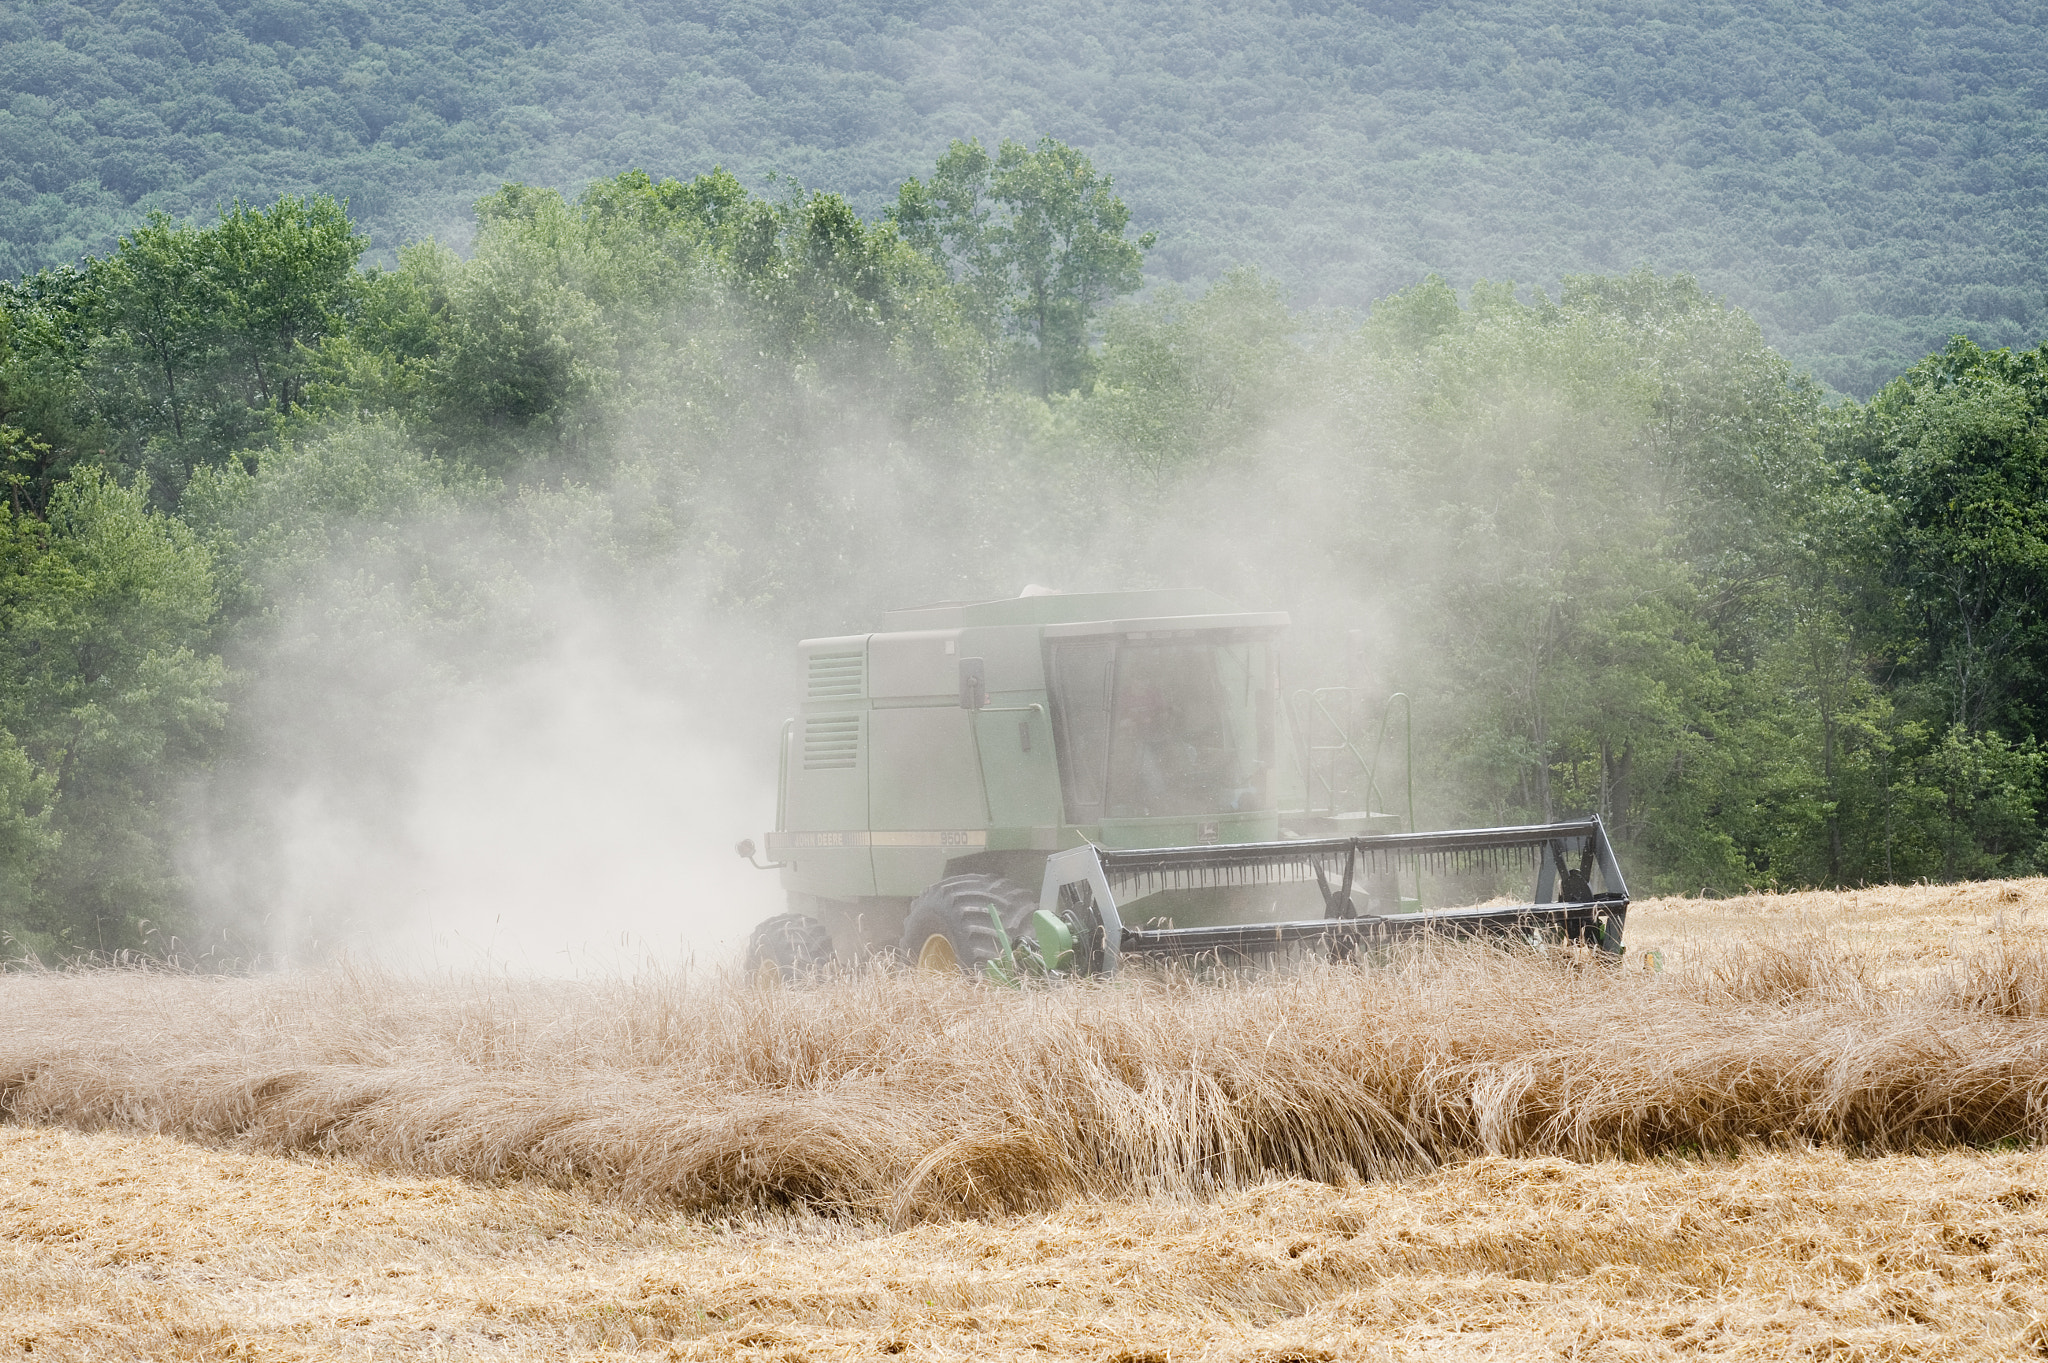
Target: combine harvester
{"x": 1001, "y": 787}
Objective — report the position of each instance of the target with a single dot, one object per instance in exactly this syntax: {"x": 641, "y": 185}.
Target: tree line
{"x": 1633, "y": 561}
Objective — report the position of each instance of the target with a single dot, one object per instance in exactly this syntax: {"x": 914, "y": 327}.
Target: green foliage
{"x": 1636, "y": 565}
{"x": 352, "y": 494}
{"x": 1591, "y": 639}
{"x": 1956, "y": 452}
{"x": 1912, "y": 635}
{"x": 1186, "y": 379}
{"x": 44, "y": 332}
{"x": 1865, "y": 178}
{"x": 27, "y": 842}
{"x": 205, "y": 336}
{"x": 111, "y": 701}
{"x": 1036, "y": 239}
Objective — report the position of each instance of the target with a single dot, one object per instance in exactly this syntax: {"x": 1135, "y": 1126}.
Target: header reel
{"x": 1087, "y": 891}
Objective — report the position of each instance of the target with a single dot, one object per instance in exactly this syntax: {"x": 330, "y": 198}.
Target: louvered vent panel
{"x": 831, "y": 741}
{"x": 837, "y": 676}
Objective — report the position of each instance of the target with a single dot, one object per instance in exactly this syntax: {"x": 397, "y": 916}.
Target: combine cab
{"x": 1058, "y": 783}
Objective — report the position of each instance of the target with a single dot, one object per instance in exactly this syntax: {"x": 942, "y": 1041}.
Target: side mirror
{"x": 746, "y": 848}
{"x": 973, "y": 684}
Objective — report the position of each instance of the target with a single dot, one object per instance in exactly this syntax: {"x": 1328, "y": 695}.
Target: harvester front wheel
{"x": 787, "y": 947}
{"x": 952, "y": 925}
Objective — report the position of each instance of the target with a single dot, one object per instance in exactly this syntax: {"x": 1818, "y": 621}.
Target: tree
{"x": 948, "y": 219}
{"x": 154, "y": 300}
{"x": 1956, "y": 449}
{"x": 207, "y": 336}
{"x": 1037, "y": 240}
{"x": 1187, "y": 380}
{"x": 644, "y": 297}
{"x": 110, "y": 700}
{"x": 282, "y": 278}
{"x": 44, "y": 334}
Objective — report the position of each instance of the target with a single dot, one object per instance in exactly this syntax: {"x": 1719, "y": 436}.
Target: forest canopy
{"x": 273, "y": 513}
{"x": 1865, "y": 178}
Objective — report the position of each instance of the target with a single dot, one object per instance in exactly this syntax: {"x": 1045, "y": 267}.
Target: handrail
{"x": 1407, "y": 766}
{"x": 1314, "y": 704}
{"x": 1343, "y": 729}
{"x": 782, "y": 780}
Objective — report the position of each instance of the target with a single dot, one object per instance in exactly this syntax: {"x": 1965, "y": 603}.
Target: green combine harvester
{"x": 1001, "y": 787}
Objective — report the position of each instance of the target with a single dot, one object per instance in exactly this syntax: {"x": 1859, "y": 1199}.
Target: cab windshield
{"x": 1172, "y": 727}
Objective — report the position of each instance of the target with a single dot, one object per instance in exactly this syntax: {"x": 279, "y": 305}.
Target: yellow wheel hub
{"x": 937, "y": 954}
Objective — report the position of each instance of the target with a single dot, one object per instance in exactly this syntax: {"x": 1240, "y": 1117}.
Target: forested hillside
{"x": 298, "y": 555}
{"x": 1866, "y": 178}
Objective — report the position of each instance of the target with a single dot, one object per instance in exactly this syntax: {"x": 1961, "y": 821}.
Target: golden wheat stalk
{"x": 914, "y": 1097}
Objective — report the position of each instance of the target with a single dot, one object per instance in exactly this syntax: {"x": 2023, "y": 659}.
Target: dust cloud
{"x": 493, "y": 759}
{"x": 515, "y": 738}
{"x": 573, "y": 813}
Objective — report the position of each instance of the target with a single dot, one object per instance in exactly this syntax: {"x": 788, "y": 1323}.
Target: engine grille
{"x": 831, "y": 741}
{"x": 837, "y": 676}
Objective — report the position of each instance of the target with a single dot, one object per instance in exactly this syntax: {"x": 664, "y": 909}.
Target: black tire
{"x": 963, "y": 912}
{"x": 791, "y": 945}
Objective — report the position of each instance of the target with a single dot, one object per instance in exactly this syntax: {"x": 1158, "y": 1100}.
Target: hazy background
{"x": 1866, "y": 178}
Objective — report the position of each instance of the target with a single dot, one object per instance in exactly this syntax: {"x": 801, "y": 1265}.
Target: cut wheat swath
{"x": 911, "y": 1097}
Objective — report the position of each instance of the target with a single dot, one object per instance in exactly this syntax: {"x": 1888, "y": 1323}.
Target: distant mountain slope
{"x": 1866, "y": 176}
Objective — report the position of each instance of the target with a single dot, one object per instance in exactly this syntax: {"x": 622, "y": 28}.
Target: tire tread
{"x": 958, "y": 906}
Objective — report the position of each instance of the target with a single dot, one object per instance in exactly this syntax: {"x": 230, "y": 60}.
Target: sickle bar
{"x": 1563, "y": 906}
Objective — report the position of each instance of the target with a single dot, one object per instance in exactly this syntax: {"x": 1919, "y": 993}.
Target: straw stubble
{"x": 115, "y": 1245}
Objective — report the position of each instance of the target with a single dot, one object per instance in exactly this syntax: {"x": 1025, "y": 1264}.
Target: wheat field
{"x": 1816, "y": 1132}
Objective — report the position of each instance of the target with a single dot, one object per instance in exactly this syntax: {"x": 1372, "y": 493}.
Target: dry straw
{"x": 913, "y": 1097}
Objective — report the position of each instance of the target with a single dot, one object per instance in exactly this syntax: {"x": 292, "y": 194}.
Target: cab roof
{"x": 1059, "y": 608}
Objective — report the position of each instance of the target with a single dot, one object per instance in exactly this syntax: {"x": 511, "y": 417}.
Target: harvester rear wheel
{"x": 952, "y": 925}
{"x": 786, "y": 947}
